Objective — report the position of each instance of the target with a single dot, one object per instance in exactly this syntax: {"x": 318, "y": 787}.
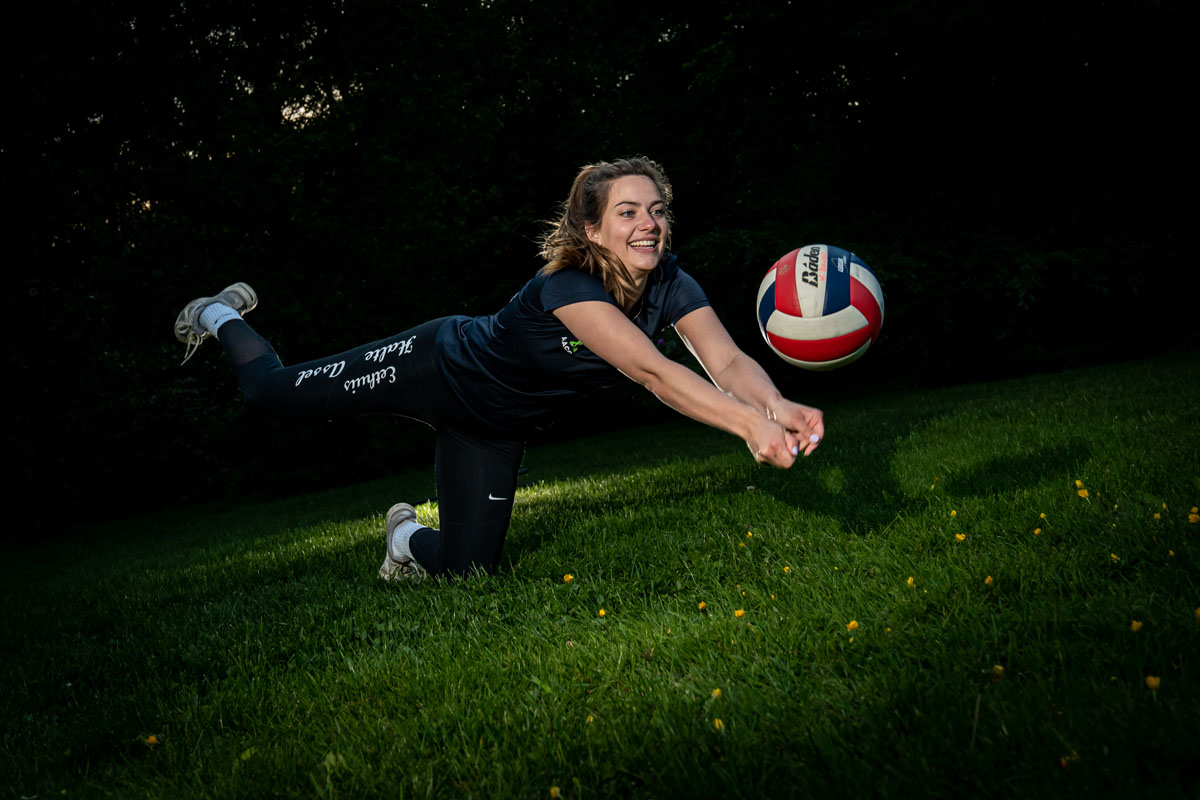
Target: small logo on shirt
{"x": 571, "y": 345}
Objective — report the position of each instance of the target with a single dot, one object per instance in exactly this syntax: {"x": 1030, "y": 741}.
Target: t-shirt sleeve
{"x": 569, "y": 286}
{"x": 684, "y": 297}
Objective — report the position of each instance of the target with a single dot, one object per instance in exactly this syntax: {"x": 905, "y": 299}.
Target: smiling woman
{"x": 589, "y": 316}
{"x": 615, "y": 224}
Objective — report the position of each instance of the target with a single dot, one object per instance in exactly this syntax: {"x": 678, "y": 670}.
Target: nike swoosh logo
{"x": 495, "y": 498}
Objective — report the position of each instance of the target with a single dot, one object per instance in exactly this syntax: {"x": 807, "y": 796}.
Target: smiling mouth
{"x": 644, "y": 244}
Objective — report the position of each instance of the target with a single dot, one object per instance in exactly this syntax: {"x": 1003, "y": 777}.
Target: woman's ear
{"x": 592, "y": 233}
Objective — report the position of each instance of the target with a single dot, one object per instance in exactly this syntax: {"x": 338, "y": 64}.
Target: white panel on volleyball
{"x": 848, "y": 320}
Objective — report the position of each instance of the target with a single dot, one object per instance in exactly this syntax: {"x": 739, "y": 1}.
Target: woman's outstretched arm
{"x": 604, "y": 330}
{"x": 741, "y": 376}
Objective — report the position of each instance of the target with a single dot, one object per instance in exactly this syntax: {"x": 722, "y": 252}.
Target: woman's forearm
{"x": 744, "y": 379}
{"x": 691, "y": 395}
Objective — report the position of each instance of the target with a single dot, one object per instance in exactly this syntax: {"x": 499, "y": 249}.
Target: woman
{"x": 608, "y": 287}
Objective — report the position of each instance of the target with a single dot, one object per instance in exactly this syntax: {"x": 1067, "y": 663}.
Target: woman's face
{"x": 634, "y": 224}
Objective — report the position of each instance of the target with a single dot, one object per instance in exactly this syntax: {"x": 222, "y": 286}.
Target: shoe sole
{"x": 238, "y": 296}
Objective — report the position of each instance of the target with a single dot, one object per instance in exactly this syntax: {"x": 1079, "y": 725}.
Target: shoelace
{"x": 194, "y": 340}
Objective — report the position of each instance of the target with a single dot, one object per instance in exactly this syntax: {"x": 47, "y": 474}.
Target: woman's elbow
{"x": 650, "y": 380}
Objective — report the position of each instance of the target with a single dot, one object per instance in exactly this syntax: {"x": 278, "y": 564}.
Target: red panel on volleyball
{"x": 862, "y": 299}
{"x": 787, "y": 296}
{"x": 821, "y": 350}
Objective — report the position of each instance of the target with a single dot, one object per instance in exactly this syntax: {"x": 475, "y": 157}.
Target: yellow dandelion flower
{"x": 741, "y": 544}
{"x": 702, "y": 605}
{"x": 1197, "y": 613}
{"x": 1115, "y": 558}
{"x": 1171, "y": 553}
{"x": 741, "y": 612}
{"x": 1164, "y": 505}
{"x": 1153, "y": 682}
{"x": 931, "y": 486}
{"x": 601, "y": 612}
{"x": 1157, "y": 515}
{"x": 953, "y": 513}
{"x": 151, "y": 740}
{"x": 1042, "y": 515}
{"x": 851, "y": 640}
{"x": 960, "y": 536}
{"x": 852, "y": 625}
{"x": 568, "y": 578}
{"x": 1193, "y": 517}
{"x": 910, "y": 581}
{"x": 786, "y": 569}
{"x": 887, "y": 630}
{"x": 716, "y": 693}
{"x": 749, "y": 534}
{"x": 1083, "y": 493}
{"x": 1037, "y": 531}
{"x": 1135, "y": 625}
{"x": 1195, "y": 510}
{"x": 988, "y": 580}
{"x": 590, "y": 719}
{"x": 1078, "y": 484}
{"x": 555, "y": 793}
{"x": 720, "y": 726}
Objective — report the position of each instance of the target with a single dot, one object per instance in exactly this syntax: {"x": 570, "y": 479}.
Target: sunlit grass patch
{"x": 829, "y": 618}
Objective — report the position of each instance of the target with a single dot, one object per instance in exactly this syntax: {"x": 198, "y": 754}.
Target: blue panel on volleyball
{"x": 837, "y": 280}
{"x": 767, "y": 306}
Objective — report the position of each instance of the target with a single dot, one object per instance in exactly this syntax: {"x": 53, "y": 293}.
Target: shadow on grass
{"x": 1013, "y": 473}
{"x": 865, "y": 493}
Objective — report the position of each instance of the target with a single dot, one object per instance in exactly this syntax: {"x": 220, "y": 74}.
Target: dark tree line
{"x": 1019, "y": 176}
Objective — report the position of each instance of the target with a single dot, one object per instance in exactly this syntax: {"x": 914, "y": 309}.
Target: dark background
{"x": 1019, "y": 176}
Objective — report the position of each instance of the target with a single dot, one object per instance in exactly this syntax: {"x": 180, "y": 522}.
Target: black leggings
{"x": 476, "y": 471}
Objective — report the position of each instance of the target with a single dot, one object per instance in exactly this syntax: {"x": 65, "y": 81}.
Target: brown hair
{"x": 566, "y": 243}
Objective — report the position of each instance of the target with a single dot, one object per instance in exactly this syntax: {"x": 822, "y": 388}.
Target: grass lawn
{"x": 978, "y": 590}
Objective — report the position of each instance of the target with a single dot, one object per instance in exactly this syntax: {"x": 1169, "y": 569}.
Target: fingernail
{"x": 814, "y": 438}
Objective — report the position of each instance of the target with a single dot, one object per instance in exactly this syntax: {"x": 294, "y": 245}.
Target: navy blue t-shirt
{"x": 512, "y": 370}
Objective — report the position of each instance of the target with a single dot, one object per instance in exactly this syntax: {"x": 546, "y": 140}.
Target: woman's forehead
{"x": 637, "y": 189}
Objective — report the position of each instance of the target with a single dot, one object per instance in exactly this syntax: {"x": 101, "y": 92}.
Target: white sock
{"x": 401, "y": 534}
{"x": 215, "y": 315}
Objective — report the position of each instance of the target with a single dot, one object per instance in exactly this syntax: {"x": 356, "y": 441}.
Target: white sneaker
{"x": 398, "y": 563}
{"x": 239, "y": 296}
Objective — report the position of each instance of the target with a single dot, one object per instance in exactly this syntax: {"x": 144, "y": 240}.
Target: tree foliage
{"x": 1015, "y": 174}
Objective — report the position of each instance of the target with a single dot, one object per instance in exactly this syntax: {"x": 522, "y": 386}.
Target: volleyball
{"x": 820, "y": 307}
